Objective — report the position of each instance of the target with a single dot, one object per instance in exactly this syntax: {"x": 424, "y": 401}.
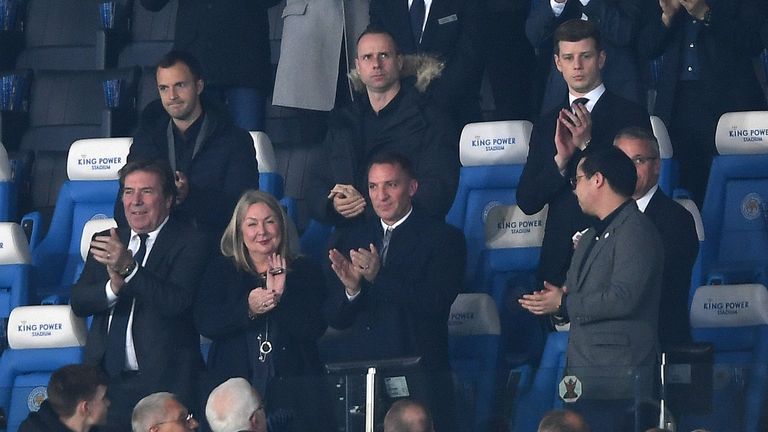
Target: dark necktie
{"x": 417, "y": 11}
{"x": 114, "y": 359}
{"x": 385, "y": 245}
{"x": 581, "y": 100}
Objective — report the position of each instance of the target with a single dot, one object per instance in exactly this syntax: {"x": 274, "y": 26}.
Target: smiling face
{"x": 580, "y": 63}
{"x": 261, "y": 230}
{"x": 180, "y": 92}
{"x": 144, "y": 201}
{"x": 378, "y": 63}
{"x": 391, "y": 191}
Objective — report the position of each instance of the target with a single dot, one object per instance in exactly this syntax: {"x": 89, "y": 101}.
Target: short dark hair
{"x": 71, "y": 384}
{"x": 374, "y": 29}
{"x": 575, "y": 30}
{"x": 396, "y": 159}
{"x": 176, "y": 56}
{"x": 158, "y": 167}
{"x": 562, "y": 421}
{"x": 640, "y": 133}
{"x": 615, "y": 166}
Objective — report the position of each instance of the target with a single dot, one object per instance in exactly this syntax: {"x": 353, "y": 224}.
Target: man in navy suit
{"x": 139, "y": 284}
{"x": 587, "y": 121}
{"x": 677, "y": 229}
{"x": 448, "y": 29}
{"x": 394, "y": 279}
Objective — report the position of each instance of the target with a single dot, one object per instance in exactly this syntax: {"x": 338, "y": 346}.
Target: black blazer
{"x": 404, "y": 312}
{"x": 221, "y": 314}
{"x": 452, "y": 33}
{"x": 166, "y": 342}
{"x": 542, "y": 184}
{"x": 724, "y": 48}
{"x": 230, "y": 38}
{"x": 681, "y": 245}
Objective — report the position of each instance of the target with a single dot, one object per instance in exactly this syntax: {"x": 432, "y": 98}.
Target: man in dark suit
{"x": 394, "y": 280}
{"x": 214, "y": 160}
{"x": 561, "y": 136}
{"x": 707, "y": 48}
{"x": 618, "y": 22}
{"x": 139, "y": 283}
{"x": 676, "y": 227}
{"x": 613, "y": 289}
{"x": 448, "y": 29}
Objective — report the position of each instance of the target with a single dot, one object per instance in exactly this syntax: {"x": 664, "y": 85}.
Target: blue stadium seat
{"x": 670, "y": 171}
{"x": 734, "y": 319}
{"x": 696, "y": 271}
{"x": 90, "y": 193}
{"x": 314, "y": 240}
{"x": 15, "y": 264}
{"x": 270, "y": 179}
{"x": 735, "y": 210}
{"x": 492, "y": 155}
{"x": 42, "y": 339}
{"x": 538, "y": 392}
{"x": 474, "y": 331}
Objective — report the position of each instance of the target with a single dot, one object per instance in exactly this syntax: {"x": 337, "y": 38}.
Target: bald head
{"x": 235, "y": 406}
{"x": 408, "y": 416}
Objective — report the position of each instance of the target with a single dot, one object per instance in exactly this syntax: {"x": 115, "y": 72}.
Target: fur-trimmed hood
{"x": 425, "y": 68}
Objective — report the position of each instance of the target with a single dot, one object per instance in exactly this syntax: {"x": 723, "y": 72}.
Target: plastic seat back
{"x": 670, "y": 171}
{"x": 270, "y": 179}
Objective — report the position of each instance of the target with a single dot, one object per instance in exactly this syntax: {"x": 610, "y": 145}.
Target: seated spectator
{"x": 408, "y": 416}
{"x": 262, "y": 307}
{"x": 394, "y": 279}
{"x": 235, "y": 406}
{"x": 214, "y": 160}
{"x": 563, "y": 421}
{"x": 77, "y": 402}
{"x": 159, "y": 409}
{"x": 390, "y": 115}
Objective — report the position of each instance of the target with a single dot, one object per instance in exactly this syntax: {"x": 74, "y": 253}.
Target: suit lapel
{"x": 605, "y": 239}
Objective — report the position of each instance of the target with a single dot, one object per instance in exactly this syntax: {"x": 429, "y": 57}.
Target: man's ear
{"x": 412, "y": 187}
{"x": 200, "y": 86}
{"x": 83, "y": 408}
{"x": 601, "y": 59}
{"x": 557, "y": 62}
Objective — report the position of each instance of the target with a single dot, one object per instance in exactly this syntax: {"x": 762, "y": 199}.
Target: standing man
{"x": 214, "y": 160}
{"x": 389, "y": 115}
{"x": 394, "y": 280}
{"x": 235, "y": 34}
{"x": 77, "y": 402}
{"x": 450, "y": 30}
{"x": 139, "y": 284}
{"x": 613, "y": 290}
{"x": 587, "y": 121}
{"x": 707, "y": 48}
{"x": 619, "y": 24}
{"x": 677, "y": 229}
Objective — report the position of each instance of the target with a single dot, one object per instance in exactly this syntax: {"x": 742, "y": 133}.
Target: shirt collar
{"x": 593, "y": 96}
{"x": 643, "y": 201}
{"x": 152, "y": 235}
{"x": 384, "y": 226}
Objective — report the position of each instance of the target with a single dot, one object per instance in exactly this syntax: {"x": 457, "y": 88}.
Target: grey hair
{"x": 149, "y": 411}
{"x": 231, "y": 405}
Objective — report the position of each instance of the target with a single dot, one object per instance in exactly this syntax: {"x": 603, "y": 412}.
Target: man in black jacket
{"x": 214, "y": 160}
{"x": 392, "y": 115}
{"x": 231, "y": 39}
{"x": 77, "y": 401}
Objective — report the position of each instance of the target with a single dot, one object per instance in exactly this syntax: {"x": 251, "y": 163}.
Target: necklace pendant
{"x": 264, "y": 349}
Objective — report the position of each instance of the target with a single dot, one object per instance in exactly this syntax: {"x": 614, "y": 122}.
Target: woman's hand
{"x": 276, "y": 275}
{"x": 261, "y": 301}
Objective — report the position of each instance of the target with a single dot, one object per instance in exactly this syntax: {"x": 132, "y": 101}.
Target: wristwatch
{"x": 125, "y": 271}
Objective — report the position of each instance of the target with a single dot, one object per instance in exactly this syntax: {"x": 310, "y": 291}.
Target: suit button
{"x": 368, "y": 328}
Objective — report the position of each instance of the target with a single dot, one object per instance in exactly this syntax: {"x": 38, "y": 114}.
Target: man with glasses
{"x": 162, "y": 412}
{"x": 235, "y": 406}
{"x": 677, "y": 229}
{"x": 613, "y": 291}
{"x": 587, "y": 121}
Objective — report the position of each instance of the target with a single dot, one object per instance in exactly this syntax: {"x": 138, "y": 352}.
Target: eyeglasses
{"x": 189, "y": 420}
{"x": 641, "y": 160}
{"x": 575, "y": 180}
